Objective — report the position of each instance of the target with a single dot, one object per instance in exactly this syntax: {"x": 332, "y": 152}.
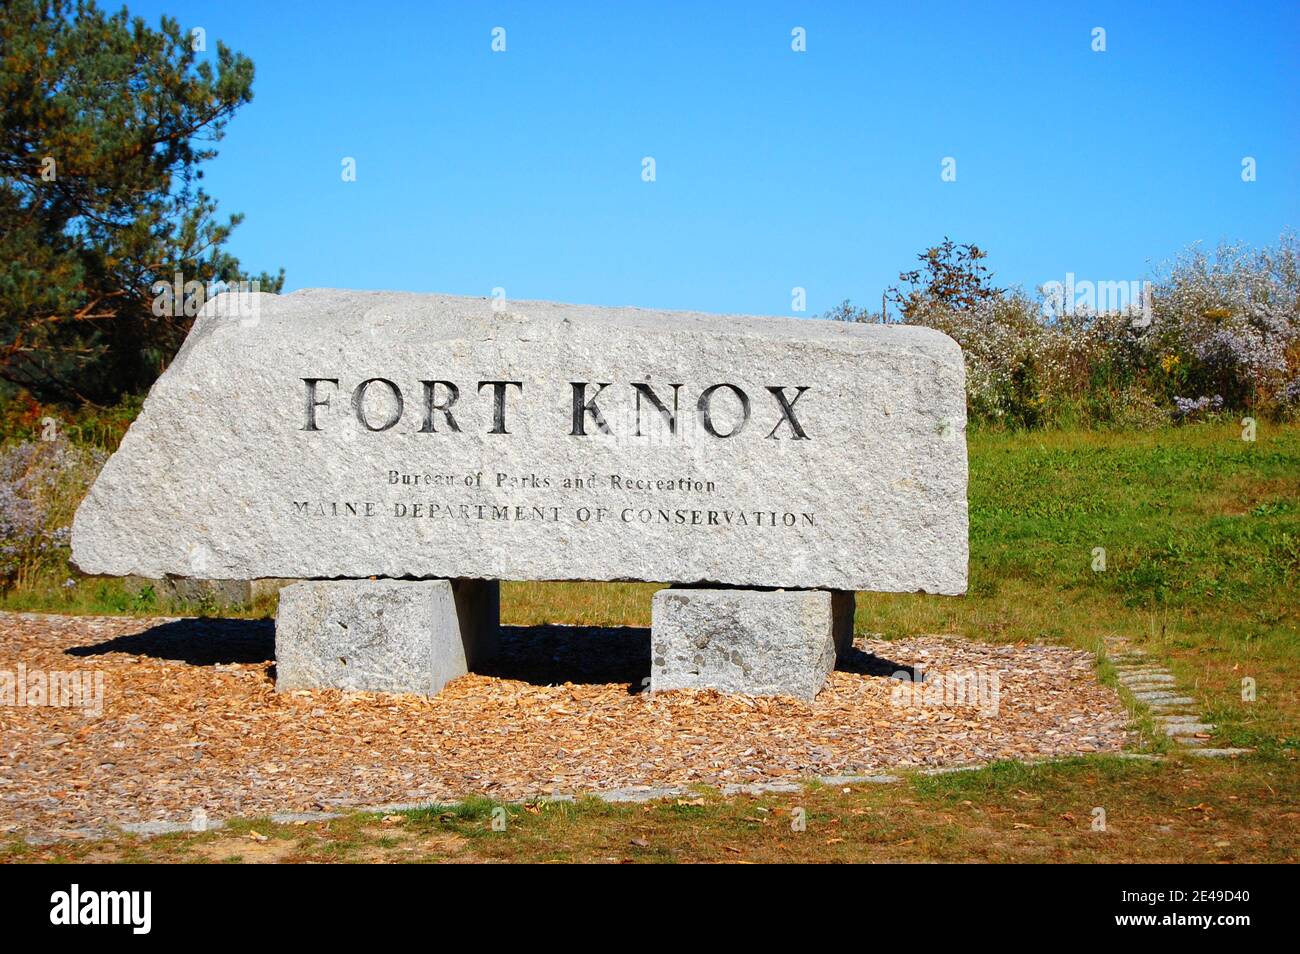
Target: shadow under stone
{"x": 546, "y": 655}
{"x": 199, "y": 642}
{"x": 541, "y": 655}
{"x": 869, "y": 664}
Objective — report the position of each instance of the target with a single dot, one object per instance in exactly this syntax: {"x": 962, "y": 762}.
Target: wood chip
{"x": 191, "y": 721}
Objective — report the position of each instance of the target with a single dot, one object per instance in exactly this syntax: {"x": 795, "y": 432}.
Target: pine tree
{"x": 104, "y": 124}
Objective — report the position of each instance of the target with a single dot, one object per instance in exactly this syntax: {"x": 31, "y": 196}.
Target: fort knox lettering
{"x": 354, "y": 434}
{"x": 440, "y": 397}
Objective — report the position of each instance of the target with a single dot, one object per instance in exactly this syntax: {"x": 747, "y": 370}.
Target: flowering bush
{"x": 41, "y": 483}
{"x": 1218, "y": 333}
{"x": 1008, "y": 353}
{"x": 1188, "y": 408}
{"x": 1233, "y": 323}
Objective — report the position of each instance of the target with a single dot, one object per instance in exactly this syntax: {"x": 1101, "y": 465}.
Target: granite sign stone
{"x": 328, "y": 435}
{"x": 357, "y": 434}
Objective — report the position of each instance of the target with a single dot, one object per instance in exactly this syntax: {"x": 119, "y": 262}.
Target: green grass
{"x": 48, "y": 593}
{"x": 1167, "y": 812}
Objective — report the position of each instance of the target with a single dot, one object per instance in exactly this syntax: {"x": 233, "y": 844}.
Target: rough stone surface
{"x": 383, "y": 635}
{"x": 837, "y": 780}
{"x": 1147, "y": 678}
{"x": 641, "y": 793}
{"x": 152, "y": 829}
{"x": 782, "y": 642}
{"x": 233, "y": 470}
{"x": 1228, "y": 753}
{"x": 761, "y": 788}
{"x": 1189, "y": 728}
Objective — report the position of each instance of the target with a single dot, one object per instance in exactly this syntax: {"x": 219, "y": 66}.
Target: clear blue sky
{"x": 774, "y": 168}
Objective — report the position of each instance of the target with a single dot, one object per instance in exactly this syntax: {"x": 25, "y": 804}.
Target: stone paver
{"x": 1156, "y": 687}
{"x": 1189, "y": 728}
{"x": 1228, "y": 753}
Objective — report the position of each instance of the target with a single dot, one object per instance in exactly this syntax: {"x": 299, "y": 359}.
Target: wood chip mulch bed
{"x": 191, "y": 721}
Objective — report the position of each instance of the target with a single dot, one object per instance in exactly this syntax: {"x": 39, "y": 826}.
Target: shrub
{"x": 1230, "y": 325}
{"x": 1222, "y": 334}
{"x": 41, "y": 483}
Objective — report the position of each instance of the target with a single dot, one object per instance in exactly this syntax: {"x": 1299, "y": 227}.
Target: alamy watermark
{"x": 980, "y": 688}
{"x": 180, "y": 298}
{"x": 133, "y": 909}
{"x": 1075, "y": 297}
{"x": 75, "y": 689}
